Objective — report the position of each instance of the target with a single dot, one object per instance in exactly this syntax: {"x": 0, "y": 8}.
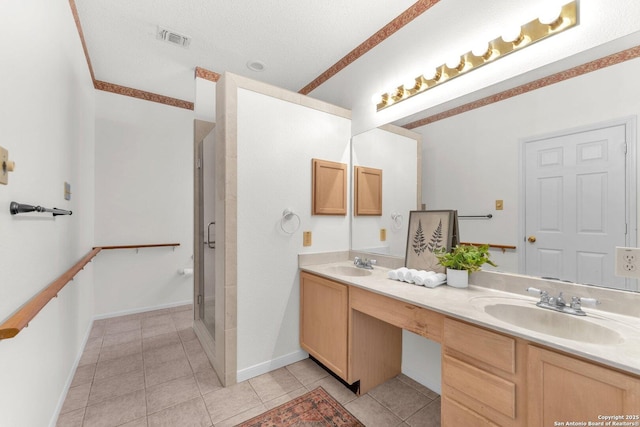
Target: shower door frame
{"x": 212, "y": 346}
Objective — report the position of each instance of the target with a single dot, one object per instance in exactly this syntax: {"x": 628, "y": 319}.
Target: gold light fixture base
{"x": 530, "y": 33}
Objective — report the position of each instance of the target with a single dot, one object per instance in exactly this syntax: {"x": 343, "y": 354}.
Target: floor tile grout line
{"x": 398, "y": 415}
{"x": 416, "y": 388}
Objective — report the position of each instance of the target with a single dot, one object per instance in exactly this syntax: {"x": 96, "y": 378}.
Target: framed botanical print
{"x": 430, "y": 231}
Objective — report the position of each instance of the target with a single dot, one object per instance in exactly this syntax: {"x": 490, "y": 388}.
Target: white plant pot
{"x": 457, "y": 278}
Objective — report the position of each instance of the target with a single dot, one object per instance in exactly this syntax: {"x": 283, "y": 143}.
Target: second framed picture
{"x": 430, "y": 231}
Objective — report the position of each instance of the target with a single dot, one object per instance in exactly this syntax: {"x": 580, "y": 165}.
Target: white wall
{"x": 276, "y": 142}
{"x": 144, "y": 194}
{"x": 421, "y": 360}
{"x": 46, "y": 117}
{"x": 205, "y": 103}
{"x": 396, "y": 155}
{"x": 471, "y": 159}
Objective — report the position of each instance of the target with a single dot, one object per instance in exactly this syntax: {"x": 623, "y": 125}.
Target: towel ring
{"x": 397, "y": 220}
{"x": 287, "y": 215}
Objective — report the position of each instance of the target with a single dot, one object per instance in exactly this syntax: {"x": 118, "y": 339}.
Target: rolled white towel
{"x": 401, "y": 272}
{"x": 393, "y": 274}
{"x": 420, "y": 277}
{"x": 435, "y": 280}
{"x": 408, "y": 276}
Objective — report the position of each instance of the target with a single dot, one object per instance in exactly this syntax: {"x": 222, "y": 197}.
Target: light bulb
{"x": 454, "y": 62}
{"x": 431, "y": 74}
{"x": 409, "y": 83}
{"x": 550, "y": 15}
{"x": 512, "y": 34}
{"x": 480, "y": 49}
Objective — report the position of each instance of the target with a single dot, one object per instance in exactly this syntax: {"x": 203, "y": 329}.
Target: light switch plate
{"x": 499, "y": 205}
{"x": 627, "y": 262}
{"x": 4, "y": 173}
{"x": 67, "y": 191}
{"x": 383, "y": 234}
{"x": 306, "y": 238}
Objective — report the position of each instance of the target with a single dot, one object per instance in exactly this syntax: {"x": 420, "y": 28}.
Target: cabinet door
{"x": 562, "y": 389}
{"x": 324, "y": 321}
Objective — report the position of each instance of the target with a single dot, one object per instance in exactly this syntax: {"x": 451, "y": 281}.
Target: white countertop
{"x": 466, "y": 304}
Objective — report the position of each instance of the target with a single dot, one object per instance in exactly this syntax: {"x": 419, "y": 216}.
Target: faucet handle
{"x": 544, "y": 295}
{"x": 589, "y": 301}
{"x": 356, "y": 260}
{"x": 535, "y": 291}
{"x": 576, "y": 302}
{"x": 372, "y": 262}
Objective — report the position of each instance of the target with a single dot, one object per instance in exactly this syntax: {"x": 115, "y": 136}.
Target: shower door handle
{"x": 209, "y": 242}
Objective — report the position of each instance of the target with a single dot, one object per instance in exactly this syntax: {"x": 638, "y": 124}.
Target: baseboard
{"x": 141, "y": 310}
{"x": 271, "y": 365}
{"x": 67, "y": 385}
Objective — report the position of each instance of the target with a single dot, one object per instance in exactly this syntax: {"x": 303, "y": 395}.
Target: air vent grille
{"x": 173, "y": 37}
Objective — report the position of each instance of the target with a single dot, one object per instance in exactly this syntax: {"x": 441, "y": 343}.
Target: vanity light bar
{"x": 530, "y": 33}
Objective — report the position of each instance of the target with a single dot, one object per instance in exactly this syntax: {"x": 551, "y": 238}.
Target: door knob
{"x": 532, "y": 239}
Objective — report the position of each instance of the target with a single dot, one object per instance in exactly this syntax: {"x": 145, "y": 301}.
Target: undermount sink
{"x": 549, "y": 322}
{"x": 345, "y": 270}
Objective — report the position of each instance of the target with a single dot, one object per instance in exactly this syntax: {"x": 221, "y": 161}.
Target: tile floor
{"x": 148, "y": 370}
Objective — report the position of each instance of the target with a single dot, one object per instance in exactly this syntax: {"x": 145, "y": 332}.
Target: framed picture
{"x": 428, "y": 232}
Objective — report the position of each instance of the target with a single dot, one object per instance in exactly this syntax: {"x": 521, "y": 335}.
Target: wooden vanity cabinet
{"x": 483, "y": 377}
{"x": 561, "y": 388}
{"x": 324, "y": 308}
{"x": 488, "y": 378}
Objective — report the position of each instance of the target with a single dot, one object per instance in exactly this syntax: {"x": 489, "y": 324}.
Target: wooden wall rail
{"x": 491, "y": 245}
{"x": 155, "y": 245}
{"x": 21, "y": 318}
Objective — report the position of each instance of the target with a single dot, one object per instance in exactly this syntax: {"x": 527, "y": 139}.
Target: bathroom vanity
{"x": 494, "y": 372}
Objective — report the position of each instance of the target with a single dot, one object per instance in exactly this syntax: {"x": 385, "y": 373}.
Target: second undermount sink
{"x": 346, "y": 270}
{"x": 560, "y": 325}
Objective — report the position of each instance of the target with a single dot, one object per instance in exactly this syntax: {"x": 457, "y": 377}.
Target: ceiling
{"x": 362, "y": 47}
{"x": 295, "y": 40}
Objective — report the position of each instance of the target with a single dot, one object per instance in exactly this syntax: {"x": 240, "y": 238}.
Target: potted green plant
{"x": 461, "y": 261}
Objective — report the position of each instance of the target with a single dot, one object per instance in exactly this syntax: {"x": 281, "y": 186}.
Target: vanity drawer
{"x": 477, "y": 389}
{"x": 454, "y": 414}
{"x": 403, "y": 315}
{"x": 488, "y": 347}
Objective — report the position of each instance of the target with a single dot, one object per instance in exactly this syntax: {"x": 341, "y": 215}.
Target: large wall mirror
{"x": 471, "y": 160}
{"x": 396, "y": 152}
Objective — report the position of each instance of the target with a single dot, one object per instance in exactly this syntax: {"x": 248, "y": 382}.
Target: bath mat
{"x": 314, "y": 409}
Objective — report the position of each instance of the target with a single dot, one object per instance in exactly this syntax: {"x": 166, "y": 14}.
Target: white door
{"x": 575, "y": 205}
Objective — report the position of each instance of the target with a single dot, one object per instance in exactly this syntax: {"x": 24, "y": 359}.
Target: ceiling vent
{"x": 172, "y": 37}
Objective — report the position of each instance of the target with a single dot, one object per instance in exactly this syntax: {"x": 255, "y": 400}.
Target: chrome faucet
{"x": 559, "y": 304}
{"x": 364, "y": 263}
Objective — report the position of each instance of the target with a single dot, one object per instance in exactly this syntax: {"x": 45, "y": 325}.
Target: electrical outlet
{"x": 628, "y": 262}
